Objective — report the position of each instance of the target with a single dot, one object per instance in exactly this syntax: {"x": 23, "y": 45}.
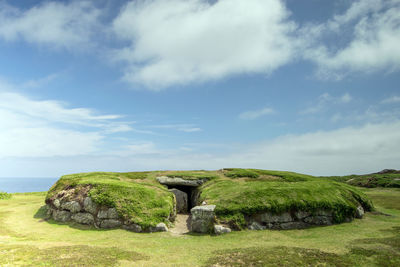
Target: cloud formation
{"x": 178, "y": 42}
{"x": 255, "y": 114}
{"x": 67, "y": 25}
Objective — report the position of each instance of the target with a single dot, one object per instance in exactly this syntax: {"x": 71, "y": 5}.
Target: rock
{"x": 72, "y": 206}
{"x": 110, "y": 223}
{"x": 268, "y": 217}
{"x": 61, "y": 215}
{"x": 203, "y": 218}
{"x": 110, "y": 213}
{"x": 133, "y": 227}
{"x": 321, "y": 212}
{"x": 181, "y": 200}
{"x": 359, "y": 212}
{"x": 56, "y": 203}
{"x": 299, "y": 215}
{"x": 83, "y": 218}
{"x": 179, "y": 181}
{"x": 319, "y": 220}
{"x": 161, "y": 227}
{"x": 219, "y": 229}
{"x": 256, "y": 226}
{"x": 89, "y": 205}
{"x": 292, "y": 225}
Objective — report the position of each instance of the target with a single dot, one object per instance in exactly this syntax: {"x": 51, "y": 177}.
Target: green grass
{"x": 237, "y": 198}
{"x": 136, "y": 198}
{"x": 4, "y": 195}
{"x": 26, "y": 239}
{"x": 390, "y": 179}
{"x": 139, "y": 198}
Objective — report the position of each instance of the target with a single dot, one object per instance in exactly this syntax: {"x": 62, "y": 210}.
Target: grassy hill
{"x": 138, "y": 197}
{"x": 385, "y": 178}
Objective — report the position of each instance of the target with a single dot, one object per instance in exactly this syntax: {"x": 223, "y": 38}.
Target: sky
{"x": 306, "y": 86}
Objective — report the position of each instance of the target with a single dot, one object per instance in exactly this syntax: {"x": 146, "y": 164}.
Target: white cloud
{"x": 391, "y": 100}
{"x": 373, "y": 45}
{"x": 177, "y": 42}
{"x": 188, "y": 128}
{"x": 255, "y": 114}
{"x": 37, "y": 128}
{"x": 326, "y": 101}
{"x": 61, "y": 25}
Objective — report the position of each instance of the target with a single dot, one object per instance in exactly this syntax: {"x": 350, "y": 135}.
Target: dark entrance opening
{"x": 190, "y": 199}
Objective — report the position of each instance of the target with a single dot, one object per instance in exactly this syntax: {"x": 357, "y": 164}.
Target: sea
{"x": 24, "y": 185}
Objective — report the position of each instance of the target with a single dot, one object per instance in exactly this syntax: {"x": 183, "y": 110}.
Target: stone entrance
{"x": 185, "y": 191}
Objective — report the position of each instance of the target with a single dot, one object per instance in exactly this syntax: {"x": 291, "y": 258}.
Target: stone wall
{"x": 68, "y": 206}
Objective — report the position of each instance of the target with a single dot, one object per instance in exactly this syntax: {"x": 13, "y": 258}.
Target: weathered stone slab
{"x": 181, "y": 200}
{"x": 72, "y": 206}
{"x": 133, "y": 227}
{"x": 268, "y": 217}
{"x": 61, "y": 215}
{"x": 319, "y": 220}
{"x": 180, "y": 181}
{"x": 83, "y": 218}
{"x": 203, "y": 218}
{"x": 359, "y": 212}
{"x": 89, "y": 205}
{"x": 110, "y": 213}
{"x": 111, "y": 223}
{"x": 56, "y": 203}
{"x": 256, "y": 226}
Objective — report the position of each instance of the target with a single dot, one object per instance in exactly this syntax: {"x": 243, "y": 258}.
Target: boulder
{"x": 319, "y": 220}
{"x": 72, "y": 206}
{"x": 83, "y": 218}
{"x": 256, "y": 226}
{"x": 61, "y": 215}
{"x": 89, "y": 205}
{"x": 203, "y": 218}
{"x": 293, "y": 225}
{"x": 56, "y": 203}
{"x": 181, "y": 200}
{"x": 165, "y": 180}
{"x": 110, "y": 213}
{"x": 161, "y": 227}
{"x": 110, "y": 223}
{"x": 219, "y": 229}
{"x": 133, "y": 227}
{"x": 268, "y": 217}
{"x": 359, "y": 212}
{"x": 300, "y": 215}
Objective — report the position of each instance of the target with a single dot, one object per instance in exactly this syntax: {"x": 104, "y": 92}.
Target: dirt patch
{"x": 182, "y": 222}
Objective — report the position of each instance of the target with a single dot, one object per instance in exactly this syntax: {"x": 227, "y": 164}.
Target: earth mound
{"x": 217, "y": 201}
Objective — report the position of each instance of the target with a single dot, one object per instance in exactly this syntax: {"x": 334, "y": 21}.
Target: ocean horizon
{"x": 26, "y": 184}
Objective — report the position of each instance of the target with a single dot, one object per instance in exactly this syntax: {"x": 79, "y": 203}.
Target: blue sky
{"x": 306, "y": 86}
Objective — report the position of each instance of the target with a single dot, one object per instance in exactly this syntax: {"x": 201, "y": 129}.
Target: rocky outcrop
{"x": 203, "y": 218}
{"x": 181, "y": 200}
{"x": 68, "y": 206}
{"x": 165, "y": 180}
{"x": 295, "y": 220}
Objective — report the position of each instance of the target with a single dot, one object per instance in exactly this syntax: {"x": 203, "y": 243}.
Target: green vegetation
{"x": 236, "y": 199}
{"x": 136, "y": 198}
{"x": 385, "y": 178}
{"x": 27, "y": 240}
{"x": 4, "y": 195}
{"x": 139, "y": 198}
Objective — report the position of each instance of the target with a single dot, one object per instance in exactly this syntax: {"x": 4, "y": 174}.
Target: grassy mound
{"x": 139, "y": 198}
{"x": 385, "y": 178}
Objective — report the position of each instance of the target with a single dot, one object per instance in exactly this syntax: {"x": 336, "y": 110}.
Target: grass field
{"x": 27, "y": 240}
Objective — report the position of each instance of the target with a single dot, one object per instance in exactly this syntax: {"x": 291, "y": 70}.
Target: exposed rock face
{"x": 219, "y": 229}
{"x": 83, "y": 218}
{"x": 181, "y": 200}
{"x": 72, "y": 206}
{"x": 203, "y": 218}
{"x": 294, "y": 220}
{"x": 80, "y": 208}
{"x": 61, "y": 215}
{"x": 110, "y": 213}
{"x": 180, "y": 181}
{"x": 89, "y": 205}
